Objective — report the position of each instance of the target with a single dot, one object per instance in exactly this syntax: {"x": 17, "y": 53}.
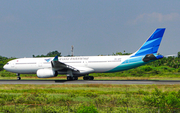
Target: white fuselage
{"x": 99, "y": 64}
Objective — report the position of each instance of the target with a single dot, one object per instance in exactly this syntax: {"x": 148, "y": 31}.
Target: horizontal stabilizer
{"x": 149, "y": 57}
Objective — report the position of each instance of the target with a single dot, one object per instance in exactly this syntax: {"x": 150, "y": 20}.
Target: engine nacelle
{"x": 46, "y": 73}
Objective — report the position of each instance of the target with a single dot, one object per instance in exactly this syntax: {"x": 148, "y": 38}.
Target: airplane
{"x": 75, "y": 67}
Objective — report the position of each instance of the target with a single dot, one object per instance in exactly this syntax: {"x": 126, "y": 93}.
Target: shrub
{"x": 163, "y": 100}
{"x": 87, "y": 109}
{"x": 146, "y": 68}
{"x": 178, "y": 70}
{"x": 89, "y": 94}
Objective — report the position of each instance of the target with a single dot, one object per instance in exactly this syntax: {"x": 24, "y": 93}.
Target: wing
{"x": 57, "y": 65}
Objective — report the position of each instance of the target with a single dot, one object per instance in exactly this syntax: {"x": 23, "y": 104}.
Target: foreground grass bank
{"x": 95, "y": 97}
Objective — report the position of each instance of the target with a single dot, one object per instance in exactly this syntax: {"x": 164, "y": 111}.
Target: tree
{"x": 178, "y": 54}
{"x": 53, "y": 53}
{"x": 50, "y": 54}
{"x": 120, "y": 53}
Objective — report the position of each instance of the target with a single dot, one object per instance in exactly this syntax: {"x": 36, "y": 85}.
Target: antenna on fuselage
{"x": 72, "y": 48}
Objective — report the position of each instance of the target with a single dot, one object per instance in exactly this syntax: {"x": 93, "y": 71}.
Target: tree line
{"x": 50, "y": 54}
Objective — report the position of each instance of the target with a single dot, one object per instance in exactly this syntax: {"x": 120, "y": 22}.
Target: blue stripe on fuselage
{"x": 130, "y": 63}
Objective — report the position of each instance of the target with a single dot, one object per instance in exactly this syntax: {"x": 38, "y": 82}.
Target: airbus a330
{"x": 75, "y": 67}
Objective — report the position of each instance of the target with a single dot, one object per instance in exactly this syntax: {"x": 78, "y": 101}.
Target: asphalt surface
{"x": 90, "y": 82}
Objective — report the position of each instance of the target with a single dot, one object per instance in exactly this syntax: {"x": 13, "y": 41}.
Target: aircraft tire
{"x": 75, "y": 78}
{"x": 86, "y": 78}
{"x": 18, "y": 78}
{"x": 69, "y": 78}
{"x": 91, "y": 78}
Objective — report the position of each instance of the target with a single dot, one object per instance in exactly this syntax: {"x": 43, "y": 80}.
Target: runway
{"x": 90, "y": 82}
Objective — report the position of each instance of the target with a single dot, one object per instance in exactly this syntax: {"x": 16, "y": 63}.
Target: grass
{"x": 70, "y": 97}
{"x": 75, "y": 98}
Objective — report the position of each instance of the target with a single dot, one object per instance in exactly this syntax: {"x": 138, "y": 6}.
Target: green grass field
{"x": 93, "y": 98}
{"x": 84, "y": 97}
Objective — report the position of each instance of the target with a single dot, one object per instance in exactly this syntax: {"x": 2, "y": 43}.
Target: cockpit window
{"x": 7, "y": 63}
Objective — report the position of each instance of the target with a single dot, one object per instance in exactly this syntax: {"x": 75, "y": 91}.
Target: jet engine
{"x": 46, "y": 73}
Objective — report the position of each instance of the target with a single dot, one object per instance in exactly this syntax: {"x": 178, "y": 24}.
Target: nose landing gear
{"x": 18, "y": 76}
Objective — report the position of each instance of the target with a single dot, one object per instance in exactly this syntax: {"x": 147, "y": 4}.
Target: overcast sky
{"x": 93, "y": 27}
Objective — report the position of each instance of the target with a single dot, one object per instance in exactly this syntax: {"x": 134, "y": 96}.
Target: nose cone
{"x": 9, "y": 67}
{"x": 5, "y": 67}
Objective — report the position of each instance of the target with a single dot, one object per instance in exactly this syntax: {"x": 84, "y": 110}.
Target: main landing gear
{"x": 84, "y": 78}
{"x": 18, "y": 76}
{"x": 88, "y": 78}
{"x": 72, "y": 78}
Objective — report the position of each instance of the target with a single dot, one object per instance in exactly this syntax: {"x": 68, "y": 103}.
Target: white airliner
{"x": 74, "y": 67}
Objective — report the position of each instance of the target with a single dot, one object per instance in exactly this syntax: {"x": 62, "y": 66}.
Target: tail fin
{"x": 152, "y": 44}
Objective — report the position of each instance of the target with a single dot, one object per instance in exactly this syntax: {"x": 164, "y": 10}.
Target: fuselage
{"x": 100, "y": 64}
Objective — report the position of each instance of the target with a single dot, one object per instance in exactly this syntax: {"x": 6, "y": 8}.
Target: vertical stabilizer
{"x": 152, "y": 44}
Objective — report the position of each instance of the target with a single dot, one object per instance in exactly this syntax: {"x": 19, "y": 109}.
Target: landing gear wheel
{"x": 75, "y": 78}
{"x": 69, "y": 78}
{"x": 91, "y": 78}
{"x": 72, "y": 78}
{"x": 85, "y": 78}
{"x": 18, "y": 78}
{"x": 88, "y": 78}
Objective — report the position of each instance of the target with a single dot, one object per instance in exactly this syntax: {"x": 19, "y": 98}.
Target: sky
{"x": 93, "y": 27}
